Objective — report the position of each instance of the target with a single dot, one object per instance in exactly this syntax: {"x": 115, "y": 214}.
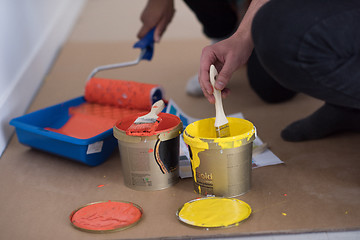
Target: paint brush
{"x": 221, "y": 123}
{"x": 146, "y": 125}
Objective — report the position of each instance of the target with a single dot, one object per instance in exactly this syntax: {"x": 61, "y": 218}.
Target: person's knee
{"x": 218, "y": 18}
{"x": 264, "y": 85}
{"x": 276, "y": 40}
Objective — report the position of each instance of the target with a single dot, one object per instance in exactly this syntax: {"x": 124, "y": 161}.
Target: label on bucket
{"x": 223, "y": 172}
{"x": 151, "y": 164}
{"x": 141, "y": 179}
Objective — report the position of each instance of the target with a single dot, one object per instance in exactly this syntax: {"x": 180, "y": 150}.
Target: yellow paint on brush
{"x": 214, "y": 212}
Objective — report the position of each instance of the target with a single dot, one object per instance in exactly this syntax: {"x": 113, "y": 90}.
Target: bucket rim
{"x": 164, "y": 135}
{"x": 244, "y": 138}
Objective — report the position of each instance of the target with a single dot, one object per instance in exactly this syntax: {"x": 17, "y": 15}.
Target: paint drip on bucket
{"x": 221, "y": 166}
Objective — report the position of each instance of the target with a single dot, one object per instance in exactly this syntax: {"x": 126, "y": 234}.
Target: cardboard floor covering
{"x": 316, "y": 189}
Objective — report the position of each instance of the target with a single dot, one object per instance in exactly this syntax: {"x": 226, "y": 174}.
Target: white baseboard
{"x": 20, "y": 92}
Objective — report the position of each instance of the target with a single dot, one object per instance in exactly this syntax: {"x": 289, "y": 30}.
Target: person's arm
{"x": 158, "y": 14}
{"x": 229, "y": 54}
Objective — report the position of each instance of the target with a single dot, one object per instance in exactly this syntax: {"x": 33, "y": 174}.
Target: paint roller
{"x": 108, "y": 99}
{"x": 121, "y": 93}
{"x": 106, "y": 102}
{"x": 125, "y": 94}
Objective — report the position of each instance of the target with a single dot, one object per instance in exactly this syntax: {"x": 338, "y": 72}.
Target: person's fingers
{"x": 225, "y": 92}
{"x": 160, "y": 29}
{"x": 143, "y": 31}
{"x": 158, "y": 33}
{"x": 209, "y": 96}
{"x": 224, "y": 76}
{"x": 207, "y": 58}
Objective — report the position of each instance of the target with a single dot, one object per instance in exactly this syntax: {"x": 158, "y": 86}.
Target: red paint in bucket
{"x": 167, "y": 123}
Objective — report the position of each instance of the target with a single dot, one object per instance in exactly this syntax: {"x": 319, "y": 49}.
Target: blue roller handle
{"x": 146, "y": 44}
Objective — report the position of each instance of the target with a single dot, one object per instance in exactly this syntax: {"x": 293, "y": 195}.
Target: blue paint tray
{"x": 93, "y": 151}
{"x": 30, "y": 131}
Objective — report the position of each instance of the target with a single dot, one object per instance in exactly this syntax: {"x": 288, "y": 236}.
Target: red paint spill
{"x": 106, "y": 216}
{"x": 101, "y": 185}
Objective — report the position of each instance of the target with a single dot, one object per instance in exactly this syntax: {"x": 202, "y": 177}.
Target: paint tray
{"x": 32, "y": 130}
{"x": 38, "y": 129}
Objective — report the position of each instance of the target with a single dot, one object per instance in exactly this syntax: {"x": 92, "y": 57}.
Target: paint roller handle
{"x": 146, "y": 44}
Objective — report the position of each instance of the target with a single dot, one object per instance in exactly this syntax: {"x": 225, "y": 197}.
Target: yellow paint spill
{"x": 214, "y": 212}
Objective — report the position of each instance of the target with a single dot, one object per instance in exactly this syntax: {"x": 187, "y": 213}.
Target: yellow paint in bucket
{"x": 220, "y": 166}
{"x": 214, "y": 212}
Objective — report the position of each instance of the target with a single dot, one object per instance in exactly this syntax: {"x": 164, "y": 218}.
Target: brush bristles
{"x": 222, "y": 131}
{"x": 142, "y": 128}
{"x": 145, "y": 120}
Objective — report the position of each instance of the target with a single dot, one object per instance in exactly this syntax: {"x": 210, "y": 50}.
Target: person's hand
{"x": 227, "y": 56}
{"x": 158, "y": 14}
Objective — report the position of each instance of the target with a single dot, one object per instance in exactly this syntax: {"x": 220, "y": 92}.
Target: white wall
{"x": 31, "y": 33}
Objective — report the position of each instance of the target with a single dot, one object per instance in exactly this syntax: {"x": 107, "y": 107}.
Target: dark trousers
{"x": 308, "y": 46}
{"x": 218, "y": 17}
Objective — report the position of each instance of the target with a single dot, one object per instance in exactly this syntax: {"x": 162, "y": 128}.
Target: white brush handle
{"x": 220, "y": 115}
{"x": 156, "y": 108}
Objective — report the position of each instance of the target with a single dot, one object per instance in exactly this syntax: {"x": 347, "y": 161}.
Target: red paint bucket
{"x": 150, "y": 162}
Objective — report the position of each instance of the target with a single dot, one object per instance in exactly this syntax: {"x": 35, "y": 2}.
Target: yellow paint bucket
{"x": 221, "y": 166}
